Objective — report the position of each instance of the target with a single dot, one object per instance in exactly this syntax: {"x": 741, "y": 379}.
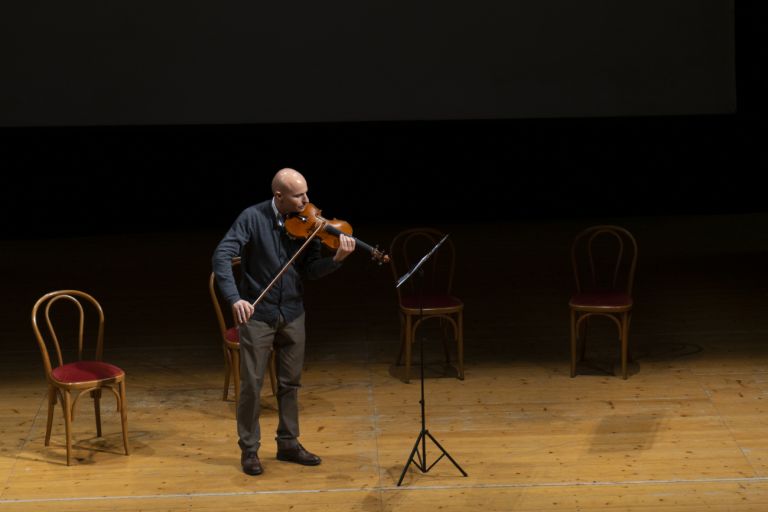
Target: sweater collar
{"x": 279, "y": 218}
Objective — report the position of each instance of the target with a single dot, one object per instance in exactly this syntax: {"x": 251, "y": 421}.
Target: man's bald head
{"x": 287, "y": 178}
{"x": 290, "y": 191}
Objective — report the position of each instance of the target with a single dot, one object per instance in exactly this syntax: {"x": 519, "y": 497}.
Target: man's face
{"x": 292, "y": 198}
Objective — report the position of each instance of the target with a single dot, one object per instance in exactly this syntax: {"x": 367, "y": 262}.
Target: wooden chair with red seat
{"x": 436, "y": 300}
{"x": 81, "y": 375}
{"x": 604, "y": 259}
{"x": 230, "y": 338}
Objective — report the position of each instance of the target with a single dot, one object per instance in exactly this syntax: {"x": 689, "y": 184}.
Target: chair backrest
{"x": 49, "y": 318}
{"x": 408, "y": 247}
{"x": 604, "y": 257}
{"x": 225, "y": 320}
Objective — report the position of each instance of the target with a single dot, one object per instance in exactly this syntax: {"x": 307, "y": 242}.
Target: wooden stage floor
{"x": 688, "y": 431}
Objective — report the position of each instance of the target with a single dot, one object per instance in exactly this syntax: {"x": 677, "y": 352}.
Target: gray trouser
{"x": 256, "y": 341}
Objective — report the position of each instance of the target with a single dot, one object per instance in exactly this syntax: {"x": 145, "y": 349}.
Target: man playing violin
{"x": 258, "y": 237}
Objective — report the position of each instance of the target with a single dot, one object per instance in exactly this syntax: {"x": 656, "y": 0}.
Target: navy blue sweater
{"x": 264, "y": 248}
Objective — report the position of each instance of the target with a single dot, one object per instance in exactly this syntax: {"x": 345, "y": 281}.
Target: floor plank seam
{"x": 12, "y": 471}
{"x": 731, "y": 433}
{"x": 375, "y": 420}
{"x": 395, "y": 488}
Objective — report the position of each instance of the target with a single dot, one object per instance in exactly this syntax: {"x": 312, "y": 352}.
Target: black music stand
{"x": 422, "y": 438}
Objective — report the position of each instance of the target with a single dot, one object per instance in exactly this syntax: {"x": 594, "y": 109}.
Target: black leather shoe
{"x": 298, "y": 455}
{"x": 251, "y": 463}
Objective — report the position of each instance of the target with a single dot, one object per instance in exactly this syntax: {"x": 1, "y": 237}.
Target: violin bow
{"x": 320, "y": 225}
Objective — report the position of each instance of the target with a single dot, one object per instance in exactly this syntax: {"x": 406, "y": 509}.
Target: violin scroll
{"x": 379, "y": 256}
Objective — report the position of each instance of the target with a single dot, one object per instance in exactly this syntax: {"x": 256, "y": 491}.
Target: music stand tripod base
{"x": 422, "y": 437}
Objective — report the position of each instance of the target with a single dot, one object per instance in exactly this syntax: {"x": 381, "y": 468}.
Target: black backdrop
{"x": 197, "y": 62}
{"x": 68, "y": 180}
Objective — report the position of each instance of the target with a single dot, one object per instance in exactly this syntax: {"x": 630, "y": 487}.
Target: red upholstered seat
{"x": 430, "y": 302}
{"x": 601, "y": 299}
{"x": 84, "y": 371}
{"x": 232, "y": 335}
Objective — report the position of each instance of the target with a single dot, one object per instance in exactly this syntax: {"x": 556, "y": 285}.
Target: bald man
{"x": 258, "y": 237}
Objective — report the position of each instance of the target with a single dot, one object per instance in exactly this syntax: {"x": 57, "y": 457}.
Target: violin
{"x": 309, "y": 220}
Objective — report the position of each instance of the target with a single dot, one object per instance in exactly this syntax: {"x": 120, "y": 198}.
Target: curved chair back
{"x": 47, "y": 337}
{"x": 408, "y": 247}
{"x": 604, "y": 257}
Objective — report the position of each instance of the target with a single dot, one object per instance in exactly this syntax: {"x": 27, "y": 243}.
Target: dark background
{"x": 88, "y": 178}
{"x": 192, "y": 62}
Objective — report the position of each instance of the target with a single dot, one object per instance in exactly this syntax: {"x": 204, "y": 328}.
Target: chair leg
{"x": 624, "y": 343}
{"x": 573, "y": 342}
{"x": 236, "y": 373}
{"x": 460, "y": 345}
{"x": 227, "y": 372}
{"x": 124, "y": 416}
{"x": 96, "y": 395}
{"x": 51, "y": 405}
{"x": 409, "y": 336}
{"x": 67, "y": 406}
{"x": 403, "y": 337}
{"x": 445, "y": 325}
